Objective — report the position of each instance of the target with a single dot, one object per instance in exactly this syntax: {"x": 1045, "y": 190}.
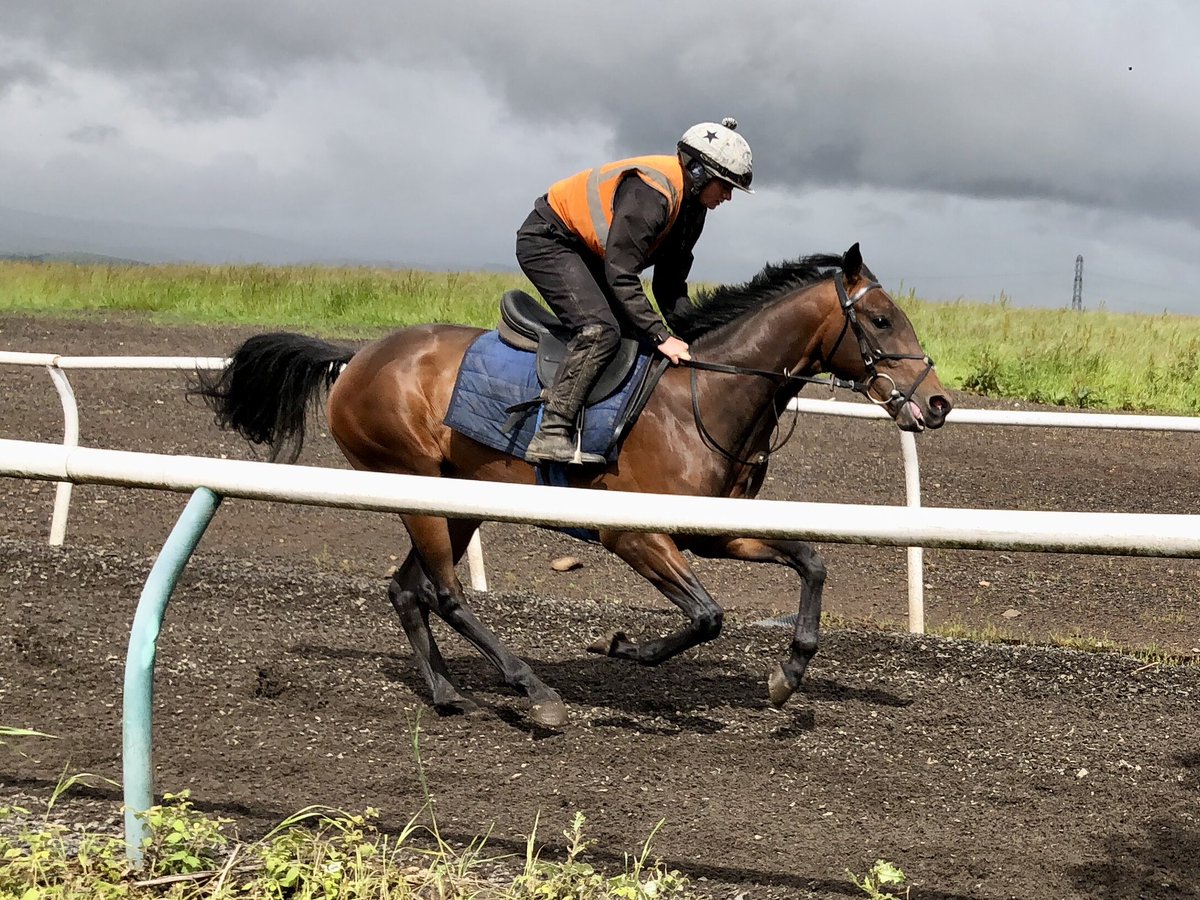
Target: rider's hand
{"x": 674, "y": 349}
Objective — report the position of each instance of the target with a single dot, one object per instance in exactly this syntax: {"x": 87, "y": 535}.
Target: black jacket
{"x": 639, "y": 217}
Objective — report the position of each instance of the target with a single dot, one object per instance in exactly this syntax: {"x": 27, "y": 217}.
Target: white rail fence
{"x": 1125, "y": 534}
{"x": 57, "y": 364}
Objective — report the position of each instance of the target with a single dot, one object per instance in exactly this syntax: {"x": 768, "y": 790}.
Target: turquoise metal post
{"x": 139, "y": 662}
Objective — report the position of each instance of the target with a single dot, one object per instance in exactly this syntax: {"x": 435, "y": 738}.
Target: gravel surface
{"x": 283, "y": 678}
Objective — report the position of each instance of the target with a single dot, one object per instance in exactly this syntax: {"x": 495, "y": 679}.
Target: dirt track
{"x": 284, "y": 679}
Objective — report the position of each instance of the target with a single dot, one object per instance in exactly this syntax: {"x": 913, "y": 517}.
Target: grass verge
{"x": 319, "y": 852}
{"x": 1089, "y": 359}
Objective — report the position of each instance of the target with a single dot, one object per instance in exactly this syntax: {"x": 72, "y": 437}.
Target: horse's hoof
{"x": 778, "y": 689}
{"x": 549, "y": 713}
{"x": 608, "y": 646}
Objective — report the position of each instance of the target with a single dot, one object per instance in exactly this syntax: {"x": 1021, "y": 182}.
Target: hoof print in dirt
{"x": 459, "y": 706}
{"x": 269, "y": 685}
{"x": 611, "y": 645}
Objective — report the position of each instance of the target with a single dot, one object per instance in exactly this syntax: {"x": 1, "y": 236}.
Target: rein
{"x": 870, "y": 357}
{"x": 785, "y": 377}
{"x": 706, "y": 435}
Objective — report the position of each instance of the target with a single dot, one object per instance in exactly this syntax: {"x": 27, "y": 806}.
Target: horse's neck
{"x": 783, "y": 336}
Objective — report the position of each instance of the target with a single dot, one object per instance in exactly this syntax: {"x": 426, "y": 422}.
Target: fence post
{"x": 916, "y": 555}
{"x": 139, "y": 663}
{"x": 62, "y": 494}
{"x": 475, "y": 563}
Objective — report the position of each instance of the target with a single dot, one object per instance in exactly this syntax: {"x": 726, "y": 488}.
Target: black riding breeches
{"x": 571, "y": 281}
{"x": 567, "y": 275}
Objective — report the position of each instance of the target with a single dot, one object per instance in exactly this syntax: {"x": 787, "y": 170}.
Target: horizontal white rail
{"x": 1127, "y": 534}
{"x": 1131, "y": 421}
{"x": 1036, "y": 418}
{"x": 54, "y": 360}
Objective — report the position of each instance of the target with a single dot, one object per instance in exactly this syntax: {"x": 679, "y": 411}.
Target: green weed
{"x": 882, "y": 874}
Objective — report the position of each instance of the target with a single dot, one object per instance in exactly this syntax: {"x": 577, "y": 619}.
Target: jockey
{"x": 586, "y": 243}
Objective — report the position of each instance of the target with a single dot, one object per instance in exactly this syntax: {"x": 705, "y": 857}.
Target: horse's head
{"x": 869, "y": 339}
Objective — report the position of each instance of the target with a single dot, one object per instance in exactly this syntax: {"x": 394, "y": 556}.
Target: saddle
{"x": 527, "y": 325}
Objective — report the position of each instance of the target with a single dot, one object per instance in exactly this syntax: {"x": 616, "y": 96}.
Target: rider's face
{"x": 715, "y": 193}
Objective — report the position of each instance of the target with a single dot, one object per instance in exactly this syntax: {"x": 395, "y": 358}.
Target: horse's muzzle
{"x": 913, "y": 415}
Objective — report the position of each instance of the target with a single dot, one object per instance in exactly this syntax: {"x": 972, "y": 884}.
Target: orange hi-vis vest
{"x": 584, "y": 201}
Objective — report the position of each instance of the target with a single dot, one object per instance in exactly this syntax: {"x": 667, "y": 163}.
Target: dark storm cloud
{"x": 199, "y": 59}
{"x": 1020, "y": 102}
{"x": 18, "y": 72}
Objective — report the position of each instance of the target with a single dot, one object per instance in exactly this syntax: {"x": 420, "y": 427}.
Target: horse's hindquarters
{"x": 386, "y": 408}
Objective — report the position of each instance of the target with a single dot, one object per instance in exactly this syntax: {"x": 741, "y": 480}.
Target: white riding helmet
{"x": 721, "y": 151}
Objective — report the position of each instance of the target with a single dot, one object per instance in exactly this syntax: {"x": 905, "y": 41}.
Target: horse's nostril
{"x": 939, "y": 404}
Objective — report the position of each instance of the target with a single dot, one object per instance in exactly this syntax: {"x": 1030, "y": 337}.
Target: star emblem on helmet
{"x": 710, "y": 136}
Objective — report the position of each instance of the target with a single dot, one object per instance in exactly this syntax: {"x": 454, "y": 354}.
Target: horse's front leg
{"x": 784, "y": 678}
{"x": 657, "y": 559}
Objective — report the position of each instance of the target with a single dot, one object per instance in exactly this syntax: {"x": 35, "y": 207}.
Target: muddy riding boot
{"x": 556, "y": 441}
{"x": 588, "y": 352}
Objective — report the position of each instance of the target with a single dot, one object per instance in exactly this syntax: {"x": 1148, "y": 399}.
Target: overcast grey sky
{"x": 972, "y": 148}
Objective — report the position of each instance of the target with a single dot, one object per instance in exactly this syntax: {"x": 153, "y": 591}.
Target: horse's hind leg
{"x": 412, "y": 593}
{"x": 439, "y": 543}
{"x": 784, "y": 679}
{"x": 657, "y": 558}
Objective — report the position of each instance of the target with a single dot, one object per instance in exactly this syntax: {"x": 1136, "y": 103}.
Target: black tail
{"x": 263, "y": 393}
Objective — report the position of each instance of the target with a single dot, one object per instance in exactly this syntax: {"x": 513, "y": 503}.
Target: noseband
{"x": 870, "y": 356}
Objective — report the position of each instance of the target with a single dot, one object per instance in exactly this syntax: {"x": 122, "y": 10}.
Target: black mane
{"x": 714, "y": 307}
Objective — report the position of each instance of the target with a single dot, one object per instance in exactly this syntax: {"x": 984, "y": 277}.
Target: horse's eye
{"x": 881, "y": 321}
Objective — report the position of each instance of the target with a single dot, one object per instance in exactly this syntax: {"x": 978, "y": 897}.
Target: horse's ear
{"x": 852, "y": 262}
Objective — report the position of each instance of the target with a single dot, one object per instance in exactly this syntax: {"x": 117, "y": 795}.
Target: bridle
{"x": 870, "y": 356}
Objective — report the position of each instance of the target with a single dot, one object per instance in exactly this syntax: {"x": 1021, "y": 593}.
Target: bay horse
{"x": 706, "y": 430}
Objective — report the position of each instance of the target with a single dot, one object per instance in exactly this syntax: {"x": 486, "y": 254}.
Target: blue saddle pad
{"x": 495, "y": 376}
